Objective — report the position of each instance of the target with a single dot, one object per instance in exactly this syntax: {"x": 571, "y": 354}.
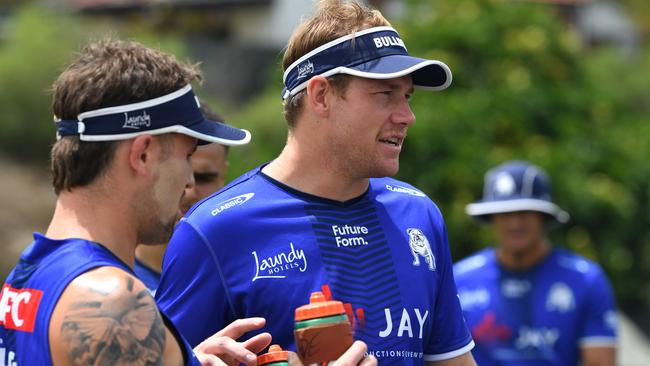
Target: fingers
{"x": 258, "y": 343}
{"x": 210, "y": 360}
{"x": 294, "y": 360}
{"x": 229, "y": 350}
{"x": 369, "y": 361}
{"x": 355, "y": 356}
{"x": 237, "y": 328}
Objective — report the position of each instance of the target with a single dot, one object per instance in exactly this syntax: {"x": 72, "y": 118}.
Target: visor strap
{"x": 70, "y": 127}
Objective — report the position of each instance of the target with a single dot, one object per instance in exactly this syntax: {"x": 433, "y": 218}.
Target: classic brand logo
{"x": 18, "y": 308}
{"x": 274, "y": 266}
{"x": 401, "y": 189}
{"x": 136, "y": 122}
{"x": 388, "y": 41}
{"x": 420, "y": 246}
{"x": 305, "y": 69}
{"x": 230, "y": 203}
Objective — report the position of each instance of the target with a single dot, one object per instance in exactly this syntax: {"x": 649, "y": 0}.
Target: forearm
{"x": 598, "y": 356}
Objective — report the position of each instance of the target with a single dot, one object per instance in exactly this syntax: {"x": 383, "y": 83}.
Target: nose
{"x": 404, "y": 115}
{"x": 190, "y": 183}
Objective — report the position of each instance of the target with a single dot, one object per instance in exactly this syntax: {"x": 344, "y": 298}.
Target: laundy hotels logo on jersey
{"x": 18, "y": 308}
{"x": 277, "y": 265}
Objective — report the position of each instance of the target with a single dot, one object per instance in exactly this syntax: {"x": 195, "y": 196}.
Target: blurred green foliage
{"x": 524, "y": 88}
{"x": 36, "y": 44}
{"x": 34, "y": 47}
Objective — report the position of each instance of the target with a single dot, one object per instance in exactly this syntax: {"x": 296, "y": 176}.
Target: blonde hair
{"x": 333, "y": 19}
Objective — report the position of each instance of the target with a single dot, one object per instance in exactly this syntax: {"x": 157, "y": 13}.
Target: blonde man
{"x": 324, "y": 215}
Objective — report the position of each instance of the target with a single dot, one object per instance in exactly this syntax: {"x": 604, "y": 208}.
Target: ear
{"x": 317, "y": 90}
{"x": 141, "y": 153}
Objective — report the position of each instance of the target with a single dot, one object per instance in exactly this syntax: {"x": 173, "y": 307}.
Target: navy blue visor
{"x": 374, "y": 53}
{"x": 177, "y": 112}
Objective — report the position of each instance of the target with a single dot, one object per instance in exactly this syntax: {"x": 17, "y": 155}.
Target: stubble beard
{"x": 154, "y": 229}
{"x": 359, "y": 164}
{"x": 157, "y": 233}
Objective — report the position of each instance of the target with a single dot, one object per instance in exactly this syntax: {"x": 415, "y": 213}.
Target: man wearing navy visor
{"x": 325, "y": 214}
{"x": 525, "y": 302}
{"x": 127, "y": 125}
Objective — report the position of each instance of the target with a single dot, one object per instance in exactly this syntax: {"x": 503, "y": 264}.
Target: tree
{"x": 36, "y": 44}
{"x": 524, "y": 87}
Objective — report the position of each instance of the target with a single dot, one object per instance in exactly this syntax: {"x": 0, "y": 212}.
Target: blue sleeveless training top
{"x": 33, "y": 288}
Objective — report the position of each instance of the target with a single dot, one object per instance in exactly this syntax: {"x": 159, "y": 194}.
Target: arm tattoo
{"x": 121, "y": 327}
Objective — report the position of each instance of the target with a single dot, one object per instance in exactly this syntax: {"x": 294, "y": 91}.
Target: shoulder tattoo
{"x": 114, "y": 324}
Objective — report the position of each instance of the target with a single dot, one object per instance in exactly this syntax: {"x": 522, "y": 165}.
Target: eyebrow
{"x": 395, "y": 86}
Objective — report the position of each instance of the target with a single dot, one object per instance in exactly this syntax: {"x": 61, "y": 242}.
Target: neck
{"x": 303, "y": 166}
{"x": 151, "y": 255}
{"x": 88, "y": 213}
{"x": 520, "y": 260}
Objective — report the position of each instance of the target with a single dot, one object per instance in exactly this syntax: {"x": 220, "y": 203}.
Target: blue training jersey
{"x": 259, "y": 248}
{"x": 33, "y": 288}
{"x": 147, "y": 275}
{"x": 541, "y": 316}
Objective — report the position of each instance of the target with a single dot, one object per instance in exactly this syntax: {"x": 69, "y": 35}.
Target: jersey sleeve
{"x": 600, "y": 323}
{"x": 451, "y": 337}
{"x": 191, "y": 290}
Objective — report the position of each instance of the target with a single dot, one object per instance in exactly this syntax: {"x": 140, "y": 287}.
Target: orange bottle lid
{"x": 319, "y": 307}
{"x": 275, "y": 354}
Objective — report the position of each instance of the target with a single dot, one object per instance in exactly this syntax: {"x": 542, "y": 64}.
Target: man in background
{"x": 526, "y": 302}
{"x": 209, "y": 167}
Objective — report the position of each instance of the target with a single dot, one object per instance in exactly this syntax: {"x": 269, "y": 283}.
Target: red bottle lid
{"x": 275, "y": 354}
{"x": 319, "y": 307}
